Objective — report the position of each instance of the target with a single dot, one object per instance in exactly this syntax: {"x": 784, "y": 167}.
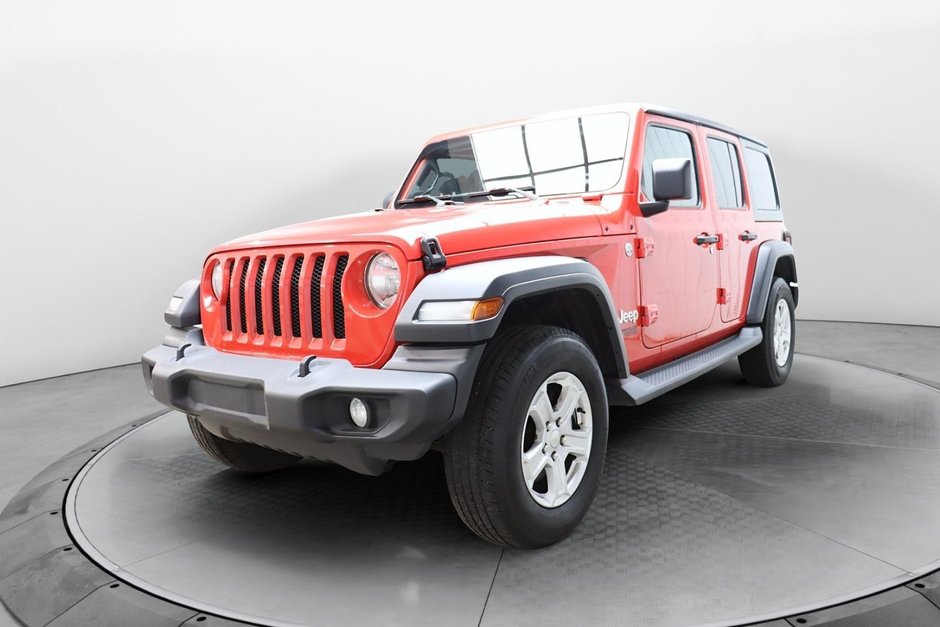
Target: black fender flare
{"x": 510, "y": 279}
{"x": 768, "y": 255}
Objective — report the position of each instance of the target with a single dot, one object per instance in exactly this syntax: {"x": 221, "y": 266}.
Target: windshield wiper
{"x": 528, "y": 192}
{"x": 449, "y": 199}
{"x": 440, "y": 201}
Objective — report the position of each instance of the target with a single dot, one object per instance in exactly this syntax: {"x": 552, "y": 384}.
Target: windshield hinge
{"x": 431, "y": 254}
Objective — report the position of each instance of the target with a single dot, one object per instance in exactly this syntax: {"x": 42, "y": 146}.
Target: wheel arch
{"x": 785, "y": 268}
{"x": 571, "y": 308}
{"x": 774, "y": 259}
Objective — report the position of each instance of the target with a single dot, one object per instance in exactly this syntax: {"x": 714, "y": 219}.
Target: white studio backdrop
{"x": 136, "y": 136}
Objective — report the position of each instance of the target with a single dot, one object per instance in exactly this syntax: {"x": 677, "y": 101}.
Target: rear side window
{"x": 726, "y": 173}
{"x": 667, "y": 143}
{"x": 760, "y": 181}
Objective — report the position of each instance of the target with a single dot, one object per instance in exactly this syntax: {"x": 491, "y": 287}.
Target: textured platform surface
{"x": 720, "y": 503}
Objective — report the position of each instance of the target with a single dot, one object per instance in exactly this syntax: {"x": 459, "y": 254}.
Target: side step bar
{"x": 637, "y": 389}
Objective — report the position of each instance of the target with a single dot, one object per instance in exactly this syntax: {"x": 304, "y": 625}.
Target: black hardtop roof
{"x": 688, "y": 117}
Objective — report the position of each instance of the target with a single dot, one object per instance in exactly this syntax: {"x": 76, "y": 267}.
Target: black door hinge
{"x": 431, "y": 254}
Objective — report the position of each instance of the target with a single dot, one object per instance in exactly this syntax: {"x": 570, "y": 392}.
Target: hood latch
{"x": 431, "y": 254}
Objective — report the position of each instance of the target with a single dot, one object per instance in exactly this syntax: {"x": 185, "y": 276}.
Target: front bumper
{"x": 265, "y": 401}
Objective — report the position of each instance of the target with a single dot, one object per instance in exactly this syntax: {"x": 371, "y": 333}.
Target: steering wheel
{"x": 445, "y": 184}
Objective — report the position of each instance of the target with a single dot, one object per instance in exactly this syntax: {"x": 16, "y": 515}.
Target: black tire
{"x": 482, "y": 457}
{"x": 240, "y": 456}
{"x": 759, "y": 365}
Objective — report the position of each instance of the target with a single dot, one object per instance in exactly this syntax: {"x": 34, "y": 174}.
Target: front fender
{"x": 510, "y": 279}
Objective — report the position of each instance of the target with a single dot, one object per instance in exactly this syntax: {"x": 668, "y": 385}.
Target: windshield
{"x": 565, "y": 156}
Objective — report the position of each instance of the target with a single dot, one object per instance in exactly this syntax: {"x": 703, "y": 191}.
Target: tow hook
{"x": 305, "y": 364}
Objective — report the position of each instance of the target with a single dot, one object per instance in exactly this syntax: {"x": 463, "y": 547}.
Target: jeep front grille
{"x": 281, "y": 301}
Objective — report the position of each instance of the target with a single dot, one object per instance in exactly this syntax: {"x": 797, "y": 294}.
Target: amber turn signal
{"x": 486, "y": 309}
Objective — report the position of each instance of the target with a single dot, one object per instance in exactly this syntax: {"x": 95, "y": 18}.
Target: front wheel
{"x": 768, "y": 364}
{"x": 525, "y": 463}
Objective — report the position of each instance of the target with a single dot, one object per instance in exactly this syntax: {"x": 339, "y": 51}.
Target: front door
{"x": 679, "y": 265}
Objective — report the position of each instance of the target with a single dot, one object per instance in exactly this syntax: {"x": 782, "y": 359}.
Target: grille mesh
{"x": 259, "y": 293}
{"x": 315, "y": 297}
{"x": 339, "y": 312}
{"x": 276, "y": 295}
{"x": 242, "y": 288}
{"x": 295, "y": 296}
{"x": 229, "y": 267}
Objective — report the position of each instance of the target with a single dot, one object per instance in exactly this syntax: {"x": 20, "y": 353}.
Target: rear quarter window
{"x": 760, "y": 181}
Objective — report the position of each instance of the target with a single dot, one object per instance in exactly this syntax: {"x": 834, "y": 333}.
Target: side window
{"x": 760, "y": 181}
{"x": 726, "y": 173}
{"x": 666, "y": 143}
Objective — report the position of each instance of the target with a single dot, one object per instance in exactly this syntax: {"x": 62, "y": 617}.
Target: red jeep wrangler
{"x": 524, "y": 277}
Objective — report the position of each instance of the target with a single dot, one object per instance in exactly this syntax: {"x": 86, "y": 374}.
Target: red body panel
{"x": 700, "y": 292}
{"x": 681, "y": 277}
{"x": 459, "y": 228}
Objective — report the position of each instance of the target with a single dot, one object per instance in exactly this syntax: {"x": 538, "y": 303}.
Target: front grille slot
{"x": 276, "y": 296}
{"x": 339, "y": 312}
{"x": 259, "y": 301}
{"x": 229, "y": 269}
{"x": 316, "y": 315}
{"x": 241, "y": 296}
{"x": 295, "y": 296}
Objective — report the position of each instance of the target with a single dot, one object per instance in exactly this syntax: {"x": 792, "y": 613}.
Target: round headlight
{"x": 382, "y": 280}
{"x": 217, "y": 280}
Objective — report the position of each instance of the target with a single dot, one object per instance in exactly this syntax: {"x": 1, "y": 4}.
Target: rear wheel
{"x": 240, "y": 456}
{"x": 525, "y": 463}
{"x": 768, "y": 364}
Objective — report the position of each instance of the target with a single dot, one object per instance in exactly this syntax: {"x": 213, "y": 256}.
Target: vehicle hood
{"x": 460, "y": 228}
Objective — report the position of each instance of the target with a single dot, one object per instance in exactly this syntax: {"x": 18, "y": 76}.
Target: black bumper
{"x": 266, "y": 401}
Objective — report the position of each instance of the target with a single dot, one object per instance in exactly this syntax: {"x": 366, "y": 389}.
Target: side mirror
{"x": 388, "y": 200}
{"x": 672, "y": 180}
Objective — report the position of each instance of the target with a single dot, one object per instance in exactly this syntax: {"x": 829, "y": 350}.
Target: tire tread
{"x": 240, "y": 456}
{"x": 470, "y": 477}
{"x": 758, "y": 366}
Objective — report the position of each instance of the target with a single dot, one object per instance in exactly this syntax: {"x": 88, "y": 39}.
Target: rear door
{"x": 735, "y": 223}
{"x": 678, "y": 275}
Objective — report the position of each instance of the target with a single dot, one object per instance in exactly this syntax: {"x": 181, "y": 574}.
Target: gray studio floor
{"x": 39, "y": 421}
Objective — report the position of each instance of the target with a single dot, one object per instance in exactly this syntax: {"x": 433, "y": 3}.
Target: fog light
{"x": 358, "y": 413}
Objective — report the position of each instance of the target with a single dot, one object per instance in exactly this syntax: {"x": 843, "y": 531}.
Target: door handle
{"x": 747, "y": 236}
{"x": 705, "y": 238}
